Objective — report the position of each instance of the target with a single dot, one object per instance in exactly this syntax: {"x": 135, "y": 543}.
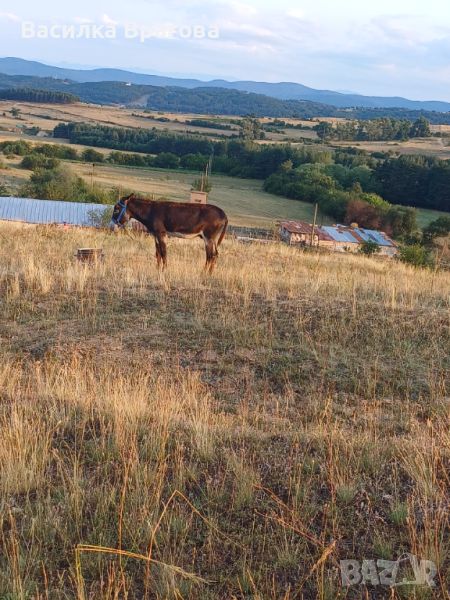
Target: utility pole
{"x": 314, "y": 224}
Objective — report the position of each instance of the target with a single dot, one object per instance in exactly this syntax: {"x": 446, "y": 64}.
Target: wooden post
{"x": 314, "y": 225}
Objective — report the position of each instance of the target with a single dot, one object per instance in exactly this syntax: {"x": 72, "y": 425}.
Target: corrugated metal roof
{"x": 305, "y": 228}
{"x": 356, "y": 235}
{"x": 380, "y": 238}
{"x": 340, "y": 234}
{"x": 30, "y": 210}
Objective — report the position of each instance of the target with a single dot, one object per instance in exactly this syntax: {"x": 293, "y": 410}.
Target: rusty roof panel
{"x": 340, "y": 233}
{"x": 305, "y": 228}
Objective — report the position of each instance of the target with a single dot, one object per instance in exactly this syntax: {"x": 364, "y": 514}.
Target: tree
{"x": 416, "y": 255}
{"x": 324, "y": 130}
{"x": 61, "y": 184}
{"x": 251, "y": 129}
{"x": 35, "y": 161}
{"x": 167, "y": 160}
{"x": 287, "y": 166}
{"x": 364, "y": 214}
{"x": 194, "y": 162}
{"x": 438, "y": 228}
{"x": 420, "y": 128}
{"x": 369, "y": 248}
{"x": 92, "y": 156}
{"x": 400, "y": 221}
{"x": 15, "y": 112}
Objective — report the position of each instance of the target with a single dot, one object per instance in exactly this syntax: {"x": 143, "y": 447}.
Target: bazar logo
{"x": 407, "y": 570}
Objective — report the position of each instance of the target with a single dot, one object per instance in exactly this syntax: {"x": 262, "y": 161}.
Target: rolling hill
{"x": 204, "y": 100}
{"x": 281, "y": 91}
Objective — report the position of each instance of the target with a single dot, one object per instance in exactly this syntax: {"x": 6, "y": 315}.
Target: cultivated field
{"x": 47, "y": 116}
{"x": 217, "y": 438}
{"x": 438, "y": 147}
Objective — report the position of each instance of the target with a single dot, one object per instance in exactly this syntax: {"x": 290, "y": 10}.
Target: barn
{"x": 300, "y": 232}
{"x": 336, "y": 238}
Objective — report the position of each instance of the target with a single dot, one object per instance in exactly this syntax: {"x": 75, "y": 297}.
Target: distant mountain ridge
{"x": 280, "y": 91}
{"x": 200, "y": 100}
{"x": 209, "y": 100}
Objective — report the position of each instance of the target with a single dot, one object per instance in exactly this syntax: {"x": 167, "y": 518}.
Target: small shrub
{"x": 399, "y": 514}
{"x": 370, "y": 248}
{"x": 92, "y": 156}
{"x": 38, "y": 161}
{"x": 416, "y": 255}
{"x": 201, "y": 185}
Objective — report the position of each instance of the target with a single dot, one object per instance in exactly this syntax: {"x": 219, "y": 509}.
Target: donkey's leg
{"x": 218, "y": 237}
{"x": 162, "y": 246}
{"x": 158, "y": 253}
{"x": 211, "y": 255}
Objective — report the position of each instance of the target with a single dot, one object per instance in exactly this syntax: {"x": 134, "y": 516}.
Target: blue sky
{"x": 387, "y": 47}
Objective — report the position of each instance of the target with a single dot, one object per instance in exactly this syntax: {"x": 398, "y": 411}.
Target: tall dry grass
{"x": 225, "y": 437}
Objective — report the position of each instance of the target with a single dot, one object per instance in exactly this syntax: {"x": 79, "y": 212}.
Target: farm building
{"x": 48, "y": 212}
{"x": 299, "y": 232}
{"x": 337, "y": 238}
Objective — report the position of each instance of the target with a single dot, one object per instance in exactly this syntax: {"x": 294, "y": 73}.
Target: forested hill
{"x": 204, "y": 100}
{"x": 32, "y": 95}
{"x": 198, "y": 100}
{"x": 281, "y": 90}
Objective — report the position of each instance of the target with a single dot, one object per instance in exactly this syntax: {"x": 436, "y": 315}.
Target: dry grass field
{"x": 438, "y": 147}
{"x": 233, "y": 437}
{"x": 47, "y": 116}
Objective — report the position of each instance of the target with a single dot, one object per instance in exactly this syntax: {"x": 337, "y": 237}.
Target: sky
{"x": 384, "y": 47}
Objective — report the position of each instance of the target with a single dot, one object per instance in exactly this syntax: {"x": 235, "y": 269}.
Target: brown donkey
{"x": 176, "y": 219}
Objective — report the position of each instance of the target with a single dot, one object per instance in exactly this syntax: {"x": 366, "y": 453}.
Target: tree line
{"x": 33, "y": 95}
{"x": 383, "y": 129}
{"x": 317, "y": 183}
{"x": 406, "y": 180}
{"x": 349, "y": 184}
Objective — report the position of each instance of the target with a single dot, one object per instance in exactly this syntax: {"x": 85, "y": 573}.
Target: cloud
{"x": 296, "y": 13}
{"x": 107, "y": 20}
{"x": 82, "y": 20}
{"x": 388, "y": 68}
{"x": 404, "y": 30}
{"x": 8, "y": 16}
{"x": 388, "y": 48}
{"x": 243, "y": 10}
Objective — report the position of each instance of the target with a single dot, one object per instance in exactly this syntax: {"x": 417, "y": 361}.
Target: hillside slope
{"x": 240, "y": 435}
{"x": 207, "y": 100}
{"x": 282, "y": 90}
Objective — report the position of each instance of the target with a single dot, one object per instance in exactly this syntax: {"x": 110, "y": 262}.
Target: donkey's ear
{"x": 125, "y": 199}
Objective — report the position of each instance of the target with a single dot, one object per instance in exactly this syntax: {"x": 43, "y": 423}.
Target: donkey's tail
{"x": 222, "y": 235}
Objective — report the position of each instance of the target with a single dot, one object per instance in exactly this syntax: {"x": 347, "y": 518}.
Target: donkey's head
{"x": 121, "y": 214}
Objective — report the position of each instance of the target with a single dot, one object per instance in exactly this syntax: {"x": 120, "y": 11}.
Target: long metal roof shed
{"x": 45, "y": 212}
{"x": 343, "y": 233}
